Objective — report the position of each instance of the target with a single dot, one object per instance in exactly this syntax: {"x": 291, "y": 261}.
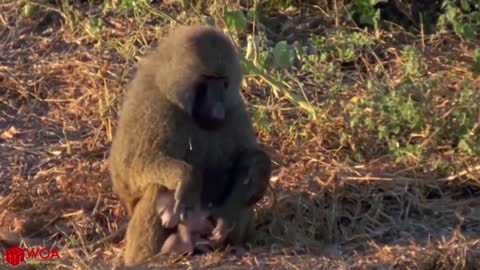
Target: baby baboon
{"x": 192, "y": 233}
{"x": 183, "y": 121}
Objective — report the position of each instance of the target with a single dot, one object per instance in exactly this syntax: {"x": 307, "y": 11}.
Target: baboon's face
{"x": 201, "y": 74}
{"x": 209, "y": 106}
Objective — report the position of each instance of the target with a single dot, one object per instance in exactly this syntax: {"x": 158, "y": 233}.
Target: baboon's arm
{"x": 250, "y": 178}
{"x": 167, "y": 172}
{"x": 178, "y": 176}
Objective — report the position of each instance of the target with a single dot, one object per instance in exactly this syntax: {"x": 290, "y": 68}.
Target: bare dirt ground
{"x": 60, "y": 86}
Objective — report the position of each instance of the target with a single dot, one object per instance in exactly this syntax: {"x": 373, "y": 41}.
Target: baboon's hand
{"x": 223, "y": 228}
{"x": 165, "y": 205}
{"x": 169, "y": 218}
{"x": 187, "y": 197}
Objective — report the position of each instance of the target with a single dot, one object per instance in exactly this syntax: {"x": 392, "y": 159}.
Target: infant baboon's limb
{"x": 145, "y": 234}
{"x": 179, "y": 242}
{"x": 187, "y": 240}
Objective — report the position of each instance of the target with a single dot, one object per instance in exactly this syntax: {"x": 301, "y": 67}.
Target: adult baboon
{"x": 184, "y": 127}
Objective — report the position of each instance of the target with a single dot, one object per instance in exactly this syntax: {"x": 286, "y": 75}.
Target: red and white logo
{"x": 14, "y": 255}
{"x": 39, "y": 255}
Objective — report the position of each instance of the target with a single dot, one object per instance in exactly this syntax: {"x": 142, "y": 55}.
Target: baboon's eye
{"x": 201, "y": 87}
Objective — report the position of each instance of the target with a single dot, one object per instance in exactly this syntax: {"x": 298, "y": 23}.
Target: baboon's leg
{"x": 145, "y": 234}
{"x": 130, "y": 205}
{"x": 242, "y": 229}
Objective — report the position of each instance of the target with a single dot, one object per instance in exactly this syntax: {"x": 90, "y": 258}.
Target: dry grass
{"x": 59, "y": 92}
